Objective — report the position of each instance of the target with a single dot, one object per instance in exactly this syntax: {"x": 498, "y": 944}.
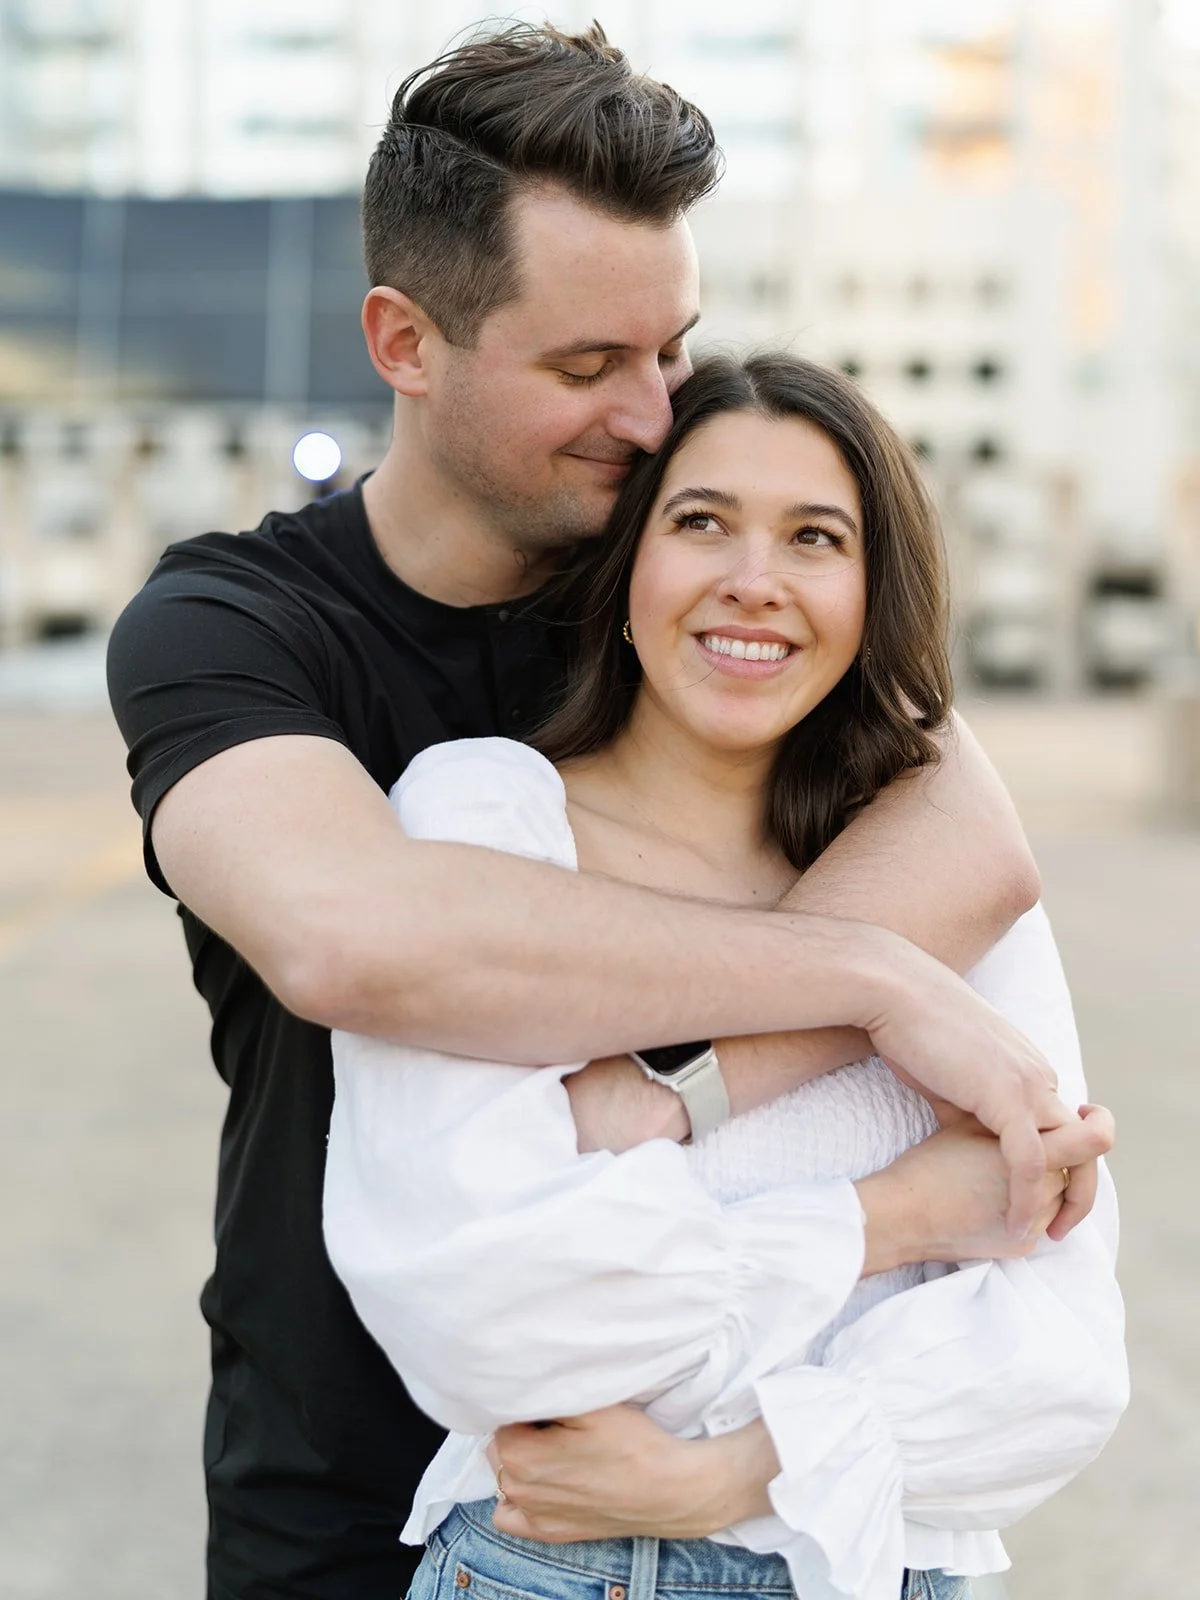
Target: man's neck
{"x": 438, "y": 541}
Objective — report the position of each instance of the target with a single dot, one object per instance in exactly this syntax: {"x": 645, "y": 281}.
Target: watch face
{"x": 669, "y": 1058}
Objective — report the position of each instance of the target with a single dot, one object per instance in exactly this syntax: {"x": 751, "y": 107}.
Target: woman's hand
{"x": 936, "y": 1033}
{"x": 1080, "y": 1194}
{"x": 946, "y": 1198}
{"x": 615, "y": 1474}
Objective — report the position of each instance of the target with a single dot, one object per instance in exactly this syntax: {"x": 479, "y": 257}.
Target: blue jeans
{"x": 469, "y": 1559}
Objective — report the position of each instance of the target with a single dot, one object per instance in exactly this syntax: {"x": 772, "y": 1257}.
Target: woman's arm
{"x": 955, "y": 1408}
{"x": 506, "y": 1276}
{"x": 945, "y": 1412}
{"x": 509, "y": 1278}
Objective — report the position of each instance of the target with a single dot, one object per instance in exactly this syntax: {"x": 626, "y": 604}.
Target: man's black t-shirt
{"x": 312, "y": 1447}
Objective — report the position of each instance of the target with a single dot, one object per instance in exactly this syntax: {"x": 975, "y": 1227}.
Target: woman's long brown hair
{"x": 878, "y": 720}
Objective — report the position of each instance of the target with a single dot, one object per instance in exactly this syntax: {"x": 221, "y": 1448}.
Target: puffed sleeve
{"x": 954, "y": 1408}
{"x": 508, "y": 1277}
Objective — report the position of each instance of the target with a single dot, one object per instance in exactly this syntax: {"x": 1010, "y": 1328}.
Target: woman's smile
{"x": 744, "y": 654}
{"x": 750, "y": 571}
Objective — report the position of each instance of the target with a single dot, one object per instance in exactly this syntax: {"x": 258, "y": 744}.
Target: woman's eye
{"x": 699, "y": 522}
{"x": 816, "y": 537}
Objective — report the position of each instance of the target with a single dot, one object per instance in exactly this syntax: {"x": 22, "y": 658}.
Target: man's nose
{"x": 642, "y": 415}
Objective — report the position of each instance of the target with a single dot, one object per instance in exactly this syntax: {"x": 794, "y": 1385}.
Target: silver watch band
{"x": 705, "y": 1097}
{"x": 700, "y": 1086}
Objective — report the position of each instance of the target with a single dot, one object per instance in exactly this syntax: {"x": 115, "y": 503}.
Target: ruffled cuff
{"x": 796, "y": 1254}
{"x": 839, "y": 1488}
{"x": 996, "y": 1392}
{"x": 962, "y": 1552}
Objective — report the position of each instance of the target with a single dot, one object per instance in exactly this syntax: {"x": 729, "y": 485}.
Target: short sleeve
{"x": 209, "y": 655}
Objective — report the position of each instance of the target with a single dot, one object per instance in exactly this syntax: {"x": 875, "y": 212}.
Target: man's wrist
{"x": 869, "y": 971}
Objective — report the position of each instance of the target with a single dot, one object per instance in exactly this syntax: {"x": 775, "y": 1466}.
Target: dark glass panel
{"x": 41, "y": 240}
{"x": 192, "y": 357}
{"x": 196, "y": 235}
{"x": 340, "y": 371}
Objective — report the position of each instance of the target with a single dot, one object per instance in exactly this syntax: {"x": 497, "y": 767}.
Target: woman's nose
{"x": 756, "y": 579}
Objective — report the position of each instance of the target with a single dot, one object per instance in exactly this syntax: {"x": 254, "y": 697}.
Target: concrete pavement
{"x": 109, "y": 1129}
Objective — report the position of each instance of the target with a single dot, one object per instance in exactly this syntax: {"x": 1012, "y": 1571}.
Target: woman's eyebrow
{"x": 806, "y": 508}
{"x": 730, "y": 502}
{"x": 714, "y": 497}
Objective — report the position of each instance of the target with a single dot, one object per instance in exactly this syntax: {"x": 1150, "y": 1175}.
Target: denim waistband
{"x": 639, "y": 1567}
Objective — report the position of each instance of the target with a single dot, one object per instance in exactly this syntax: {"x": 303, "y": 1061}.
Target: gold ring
{"x": 500, "y": 1494}
{"x": 1066, "y": 1172}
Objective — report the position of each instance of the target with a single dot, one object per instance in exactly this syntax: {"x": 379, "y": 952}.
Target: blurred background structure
{"x": 989, "y": 212}
{"x": 986, "y": 210}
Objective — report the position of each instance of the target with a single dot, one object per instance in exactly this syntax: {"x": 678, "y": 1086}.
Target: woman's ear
{"x": 398, "y": 335}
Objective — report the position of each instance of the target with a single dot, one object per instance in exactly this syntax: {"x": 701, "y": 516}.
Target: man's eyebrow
{"x": 590, "y": 347}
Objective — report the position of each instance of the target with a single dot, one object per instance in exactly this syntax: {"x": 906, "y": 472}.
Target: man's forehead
{"x": 591, "y": 281}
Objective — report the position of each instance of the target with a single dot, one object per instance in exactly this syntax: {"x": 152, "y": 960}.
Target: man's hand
{"x": 614, "y": 1474}
{"x": 945, "y": 1199}
{"x": 1080, "y": 1195}
{"x": 936, "y": 1033}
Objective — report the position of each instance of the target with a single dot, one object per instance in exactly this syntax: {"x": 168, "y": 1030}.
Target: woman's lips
{"x": 755, "y": 657}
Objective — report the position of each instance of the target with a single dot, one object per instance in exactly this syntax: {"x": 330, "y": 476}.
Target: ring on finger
{"x": 1066, "y": 1172}
{"x": 500, "y": 1494}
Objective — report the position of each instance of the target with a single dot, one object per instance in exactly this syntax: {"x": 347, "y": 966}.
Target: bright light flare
{"x": 317, "y": 456}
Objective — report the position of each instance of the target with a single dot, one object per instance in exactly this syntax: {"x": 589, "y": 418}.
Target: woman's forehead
{"x": 755, "y": 458}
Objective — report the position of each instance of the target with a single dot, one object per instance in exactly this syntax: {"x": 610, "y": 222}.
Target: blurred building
{"x": 985, "y": 211}
{"x": 977, "y": 230}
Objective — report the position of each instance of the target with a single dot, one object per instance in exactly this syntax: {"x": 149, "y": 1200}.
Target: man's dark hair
{"x": 504, "y": 112}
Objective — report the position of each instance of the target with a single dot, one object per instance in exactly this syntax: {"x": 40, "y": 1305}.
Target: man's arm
{"x": 939, "y": 857}
{"x": 287, "y": 849}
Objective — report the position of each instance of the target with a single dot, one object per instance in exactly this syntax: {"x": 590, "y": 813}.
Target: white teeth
{"x": 744, "y": 650}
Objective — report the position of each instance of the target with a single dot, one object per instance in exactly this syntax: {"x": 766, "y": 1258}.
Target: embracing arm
{"x": 944, "y": 1412}
{"x": 939, "y": 856}
{"x": 287, "y": 849}
{"x": 459, "y": 1212}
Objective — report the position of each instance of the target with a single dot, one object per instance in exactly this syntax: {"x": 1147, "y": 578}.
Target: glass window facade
{"x": 182, "y": 300}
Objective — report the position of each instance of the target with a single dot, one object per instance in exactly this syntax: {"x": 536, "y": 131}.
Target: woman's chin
{"x": 736, "y": 740}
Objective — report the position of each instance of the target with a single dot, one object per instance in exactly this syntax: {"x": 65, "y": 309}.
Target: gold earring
{"x": 625, "y": 632}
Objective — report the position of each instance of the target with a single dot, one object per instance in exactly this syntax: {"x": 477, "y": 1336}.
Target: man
{"x": 534, "y": 283}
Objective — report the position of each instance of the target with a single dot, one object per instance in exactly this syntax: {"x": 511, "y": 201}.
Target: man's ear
{"x": 398, "y": 335}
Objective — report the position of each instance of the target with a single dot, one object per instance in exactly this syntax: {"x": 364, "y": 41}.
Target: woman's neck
{"x": 658, "y": 778}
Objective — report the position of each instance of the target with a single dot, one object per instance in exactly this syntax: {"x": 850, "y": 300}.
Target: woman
{"x": 762, "y": 649}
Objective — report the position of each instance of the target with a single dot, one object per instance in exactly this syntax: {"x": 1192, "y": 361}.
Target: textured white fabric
{"x": 509, "y": 1278}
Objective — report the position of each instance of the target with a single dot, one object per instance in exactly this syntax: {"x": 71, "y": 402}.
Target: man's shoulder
{"x": 286, "y": 549}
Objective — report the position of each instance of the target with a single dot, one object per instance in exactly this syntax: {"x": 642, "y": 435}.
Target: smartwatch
{"x": 693, "y": 1072}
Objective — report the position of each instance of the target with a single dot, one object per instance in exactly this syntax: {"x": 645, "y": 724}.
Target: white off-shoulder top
{"x": 509, "y": 1278}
